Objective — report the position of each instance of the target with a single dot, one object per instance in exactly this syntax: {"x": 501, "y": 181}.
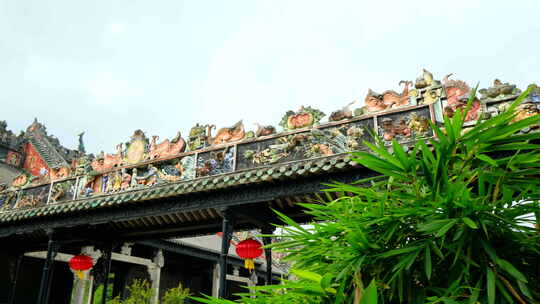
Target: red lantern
{"x": 249, "y": 249}
{"x": 79, "y": 264}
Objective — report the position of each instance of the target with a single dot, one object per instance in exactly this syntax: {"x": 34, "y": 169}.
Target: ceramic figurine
{"x": 355, "y": 132}
{"x": 171, "y": 173}
{"x": 390, "y": 130}
{"x": 20, "y": 181}
{"x": 336, "y": 140}
{"x": 81, "y": 148}
{"x": 26, "y": 201}
{"x": 166, "y": 148}
{"x": 126, "y": 180}
{"x": 150, "y": 178}
{"x": 151, "y": 175}
{"x": 425, "y": 80}
{"x": 197, "y": 137}
{"x": 498, "y": 90}
{"x": 205, "y": 169}
{"x": 431, "y": 95}
{"x": 525, "y": 110}
{"x": 393, "y": 99}
{"x": 304, "y": 117}
{"x": 88, "y": 191}
{"x": 32, "y": 200}
{"x": 108, "y": 182}
{"x": 250, "y": 134}
{"x": 321, "y": 149}
{"x": 418, "y": 124}
{"x": 59, "y": 172}
{"x": 187, "y": 166}
{"x": 344, "y": 113}
{"x": 457, "y": 96}
{"x": 134, "y": 178}
{"x": 120, "y": 150}
{"x": 264, "y": 130}
{"x": 282, "y": 147}
{"x": 107, "y": 161}
{"x": 374, "y": 103}
{"x": 116, "y": 181}
{"x": 219, "y": 162}
{"x": 57, "y": 193}
{"x": 534, "y": 95}
{"x": 226, "y": 135}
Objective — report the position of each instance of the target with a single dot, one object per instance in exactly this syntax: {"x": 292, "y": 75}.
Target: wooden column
{"x": 48, "y": 267}
{"x": 155, "y": 274}
{"x": 107, "y": 254}
{"x": 227, "y": 230}
{"x": 14, "y": 276}
{"x": 268, "y": 252}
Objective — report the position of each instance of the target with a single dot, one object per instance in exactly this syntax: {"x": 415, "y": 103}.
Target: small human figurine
{"x": 151, "y": 176}
{"x": 126, "y": 180}
{"x": 108, "y": 185}
{"x": 117, "y": 181}
{"x": 134, "y": 178}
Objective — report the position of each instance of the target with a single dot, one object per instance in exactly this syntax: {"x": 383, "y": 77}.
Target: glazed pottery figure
{"x": 225, "y": 135}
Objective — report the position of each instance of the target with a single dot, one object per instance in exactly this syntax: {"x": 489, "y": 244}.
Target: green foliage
{"x": 448, "y": 222}
{"x": 177, "y": 295}
{"x": 139, "y": 293}
{"x": 98, "y": 293}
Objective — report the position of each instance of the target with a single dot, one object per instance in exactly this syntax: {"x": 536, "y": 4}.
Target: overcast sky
{"x": 110, "y": 67}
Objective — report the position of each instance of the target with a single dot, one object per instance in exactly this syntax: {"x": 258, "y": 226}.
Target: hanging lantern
{"x": 80, "y": 264}
{"x": 248, "y": 250}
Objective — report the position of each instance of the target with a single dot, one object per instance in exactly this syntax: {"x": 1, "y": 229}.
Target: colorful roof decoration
{"x": 146, "y": 168}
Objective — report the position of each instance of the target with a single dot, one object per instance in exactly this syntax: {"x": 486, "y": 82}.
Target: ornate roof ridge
{"x": 46, "y": 149}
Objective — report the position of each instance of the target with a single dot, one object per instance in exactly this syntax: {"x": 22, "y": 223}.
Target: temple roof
{"x": 145, "y": 170}
{"x": 249, "y": 177}
{"x": 48, "y": 146}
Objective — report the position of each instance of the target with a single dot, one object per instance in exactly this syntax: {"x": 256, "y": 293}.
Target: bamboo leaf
{"x": 491, "y": 253}
{"x": 326, "y": 281}
{"x": 427, "y": 262}
{"x": 437, "y": 251}
{"x": 508, "y": 267}
{"x": 475, "y": 293}
{"x": 470, "y": 223}
{"x": 446, "y": 227}
{"x": 487, "y": 159}
{"x": 524, "y": 289}
{"x": 370, "y": 294}
{"x": 490, "y": 286}
{"x": 308, "y": 275}
{"x": 503, "y": 291}
{"x": 383, "y": 152}
{"x": 398, "y": 251}
{"x": 401, "y": 155}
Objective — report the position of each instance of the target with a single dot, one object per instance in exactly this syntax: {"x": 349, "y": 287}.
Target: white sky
{"x": 110, "y": 67}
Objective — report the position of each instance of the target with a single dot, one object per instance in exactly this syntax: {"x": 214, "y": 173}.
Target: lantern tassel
{"x": 79, "y": 274}
{"x": 249, "y": 264}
